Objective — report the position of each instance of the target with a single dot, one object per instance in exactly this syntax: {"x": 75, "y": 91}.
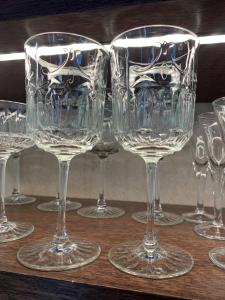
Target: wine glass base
{"x": 45, "y": 256}
{"x": 169, "y": 261}
{"x": 197, "y": 217}
{"x": 54, "y": 206}
{"x": 210, "y": 231}
{"x": 11, "y": 231}
{"x": 19, "y": 199}
{"x": 106, "y": 213}
{"x": 162, "y": 218}
{"x": 217, "y": 256}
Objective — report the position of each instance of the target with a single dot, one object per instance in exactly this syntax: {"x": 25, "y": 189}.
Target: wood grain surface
{"x": 100, "y": 280}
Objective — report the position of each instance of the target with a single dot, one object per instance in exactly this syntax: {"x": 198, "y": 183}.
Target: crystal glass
{"x": 200, "y": 164}
{"x": 153, "y": 86}
{"x": 65, "y": 85}
{"x": 53, "y": 205}
{"x": 161, "y": 217}
{"x": 106, "y": 146}
{"x": 216, "y": 153}
{"x": 16, "y": 198}
{"x": 13, "y": 138}
{"x": 217, "y": 255}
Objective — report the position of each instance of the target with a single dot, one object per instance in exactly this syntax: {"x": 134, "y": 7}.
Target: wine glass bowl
{"x": 65, "y": 85}
{"x": 153, "y": 86}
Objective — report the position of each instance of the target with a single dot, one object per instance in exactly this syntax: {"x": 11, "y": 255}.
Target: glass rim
{"x": 216, "y": 101}
{"x": 65, "y": 33}
{"x": 157, "y": 25}
{"x": 14, "y": 102}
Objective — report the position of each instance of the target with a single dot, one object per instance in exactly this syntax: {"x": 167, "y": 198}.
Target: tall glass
{"x": 153, "y": 86}
{"x": 217, "y": 255}
{"x": 201, "y": 167}
{"x": 13, "y": 138}
{"x": 65, "y": 85}
{"x": 216, "y": 153}
{"x": 16, "y": 198}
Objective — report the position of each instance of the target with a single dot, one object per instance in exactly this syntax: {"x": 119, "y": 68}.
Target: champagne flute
{"x": 153, "y": 87}
{"x": 217, "y": 255}
{"x": 201, "y": 166}
{"x": 65, "y": 84}
{"x": 216, "y": 153}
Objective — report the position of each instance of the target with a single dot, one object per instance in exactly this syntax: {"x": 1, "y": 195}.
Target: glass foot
{"x": 106, "y": 213}
{"x": 169, "y": 261}
{"x": 217, "y": 256}
{"x": 54, "y": 206}
{"x": 46, "y": 256}
{"x": 198, "y": 217}
{"x": 19, "y": 199}
{"x": 11, "y": 231}
{"x": 210, "y": 231}
{"x": 162, "y": 218}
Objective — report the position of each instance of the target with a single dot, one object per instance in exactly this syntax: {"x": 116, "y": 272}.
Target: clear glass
{"x": 16, "y": 198}
{"x": 216, "y": 153}
{"x": 65, "y": 85}
{"x": 106, "y": 146}
{"x": 153, "y": 87}
{"x": 161, "y": 217}
{"x": 200, "y": 164}
{"x": 53, "y": 205}
{"x": 14, "y": 138}
{"x": 217, "y": 255}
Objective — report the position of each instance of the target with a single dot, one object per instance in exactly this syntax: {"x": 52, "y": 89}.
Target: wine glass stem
{"x": 218, "y": 180}
{"x": 61, "y": 235}
{"x": 101, "y": 203}
{"x": 3, "y": 218}
{"x": 157, "y": 203}
{"x": 16, "y": 160}
{"x": 150, "y": 237}
{"x": 201, "y": 182}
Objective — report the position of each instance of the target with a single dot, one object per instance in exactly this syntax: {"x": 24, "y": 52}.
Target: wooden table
{"x": 100, "y": 280}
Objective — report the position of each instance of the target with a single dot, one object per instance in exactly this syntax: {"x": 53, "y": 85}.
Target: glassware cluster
{"x": 149, "y": 113}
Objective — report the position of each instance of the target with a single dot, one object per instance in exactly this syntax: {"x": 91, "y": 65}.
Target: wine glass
{"x": 106, "y": 146}
{"x": 217, "y": 255}
{"x": 65, "y": 85}
{"x": 216, "y": 153}
{"x": 200, "y": 164}
{"x": 16, "y": 198}
{"x": 14, "y": 138}
{"x": 161, "y": 217}
{"x": 153, "y": 87}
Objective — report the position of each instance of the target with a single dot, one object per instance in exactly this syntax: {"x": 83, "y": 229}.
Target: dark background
{"x": 103, "y": 20}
